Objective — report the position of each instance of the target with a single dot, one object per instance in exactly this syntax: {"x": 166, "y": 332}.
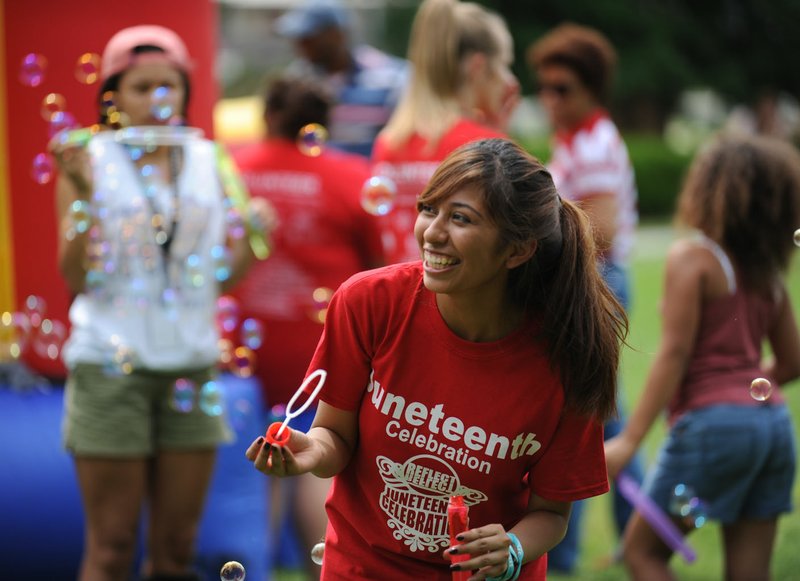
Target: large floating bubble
{"x": 760, "y": 389}
{"x": 232, "y": 571}
{"x": 317, "y": 553}
{"x": 378, "y": 195}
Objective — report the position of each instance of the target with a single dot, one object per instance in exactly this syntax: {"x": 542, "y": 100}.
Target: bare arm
{"x": 686, "y": 269}
{"x": 602, "y": 210}
{"x": 784, "y": 339}
{"x": 262, "y": 216}
{"x": 74, "y": 184}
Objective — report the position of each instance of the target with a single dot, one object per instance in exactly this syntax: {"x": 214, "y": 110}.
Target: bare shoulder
{"x": 689, "y": 254}
{"x": 691, "y": 260}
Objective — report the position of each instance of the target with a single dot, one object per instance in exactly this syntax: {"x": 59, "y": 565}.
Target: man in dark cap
{"x": 365, "y": 82}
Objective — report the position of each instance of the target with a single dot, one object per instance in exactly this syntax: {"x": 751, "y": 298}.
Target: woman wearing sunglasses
{"x": 574, "y": 67}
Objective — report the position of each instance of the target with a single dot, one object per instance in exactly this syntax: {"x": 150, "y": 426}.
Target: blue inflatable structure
{"x": 41, "y": 522}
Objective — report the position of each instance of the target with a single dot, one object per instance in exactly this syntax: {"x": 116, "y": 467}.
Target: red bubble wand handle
{"x": 277, "y": 434}
{"x": 457, "y": 523}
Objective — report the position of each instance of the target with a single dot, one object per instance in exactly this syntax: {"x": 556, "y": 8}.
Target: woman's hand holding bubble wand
{"x": 277, "y": 434}
{"x": 271, "y": 453}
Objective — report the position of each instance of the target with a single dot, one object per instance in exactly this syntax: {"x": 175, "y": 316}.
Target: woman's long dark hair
{"x": 583, "y": 325}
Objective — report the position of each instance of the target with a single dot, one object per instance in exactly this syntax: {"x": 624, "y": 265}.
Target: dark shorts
{"x": 135, "y": 415}
{"x": 739, "y": 460}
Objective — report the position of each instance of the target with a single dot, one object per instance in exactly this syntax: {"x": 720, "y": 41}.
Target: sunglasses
{"x": 559, "y": 89}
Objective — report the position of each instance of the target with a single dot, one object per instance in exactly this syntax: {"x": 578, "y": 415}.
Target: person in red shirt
{"x": 462, "y": 89}
{"x": 484, "y": 371}
{"x": 323, "y": 237}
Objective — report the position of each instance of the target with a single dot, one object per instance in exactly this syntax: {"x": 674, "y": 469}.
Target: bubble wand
{"x": 277, "y": 435}
{"x": 650, "y": 511}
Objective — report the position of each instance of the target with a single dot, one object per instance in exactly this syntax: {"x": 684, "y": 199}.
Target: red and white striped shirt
{"x": 593, "y": 159}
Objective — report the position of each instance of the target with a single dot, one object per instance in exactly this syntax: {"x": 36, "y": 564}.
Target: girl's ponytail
{"x": 583, "y": 322}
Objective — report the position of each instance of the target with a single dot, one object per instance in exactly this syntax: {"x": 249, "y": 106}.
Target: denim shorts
{"x": 739, "y": 460}
{"x": 133, "y": 416}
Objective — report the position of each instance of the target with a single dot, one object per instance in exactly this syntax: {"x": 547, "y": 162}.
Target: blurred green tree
{"x": 739, "y": 48}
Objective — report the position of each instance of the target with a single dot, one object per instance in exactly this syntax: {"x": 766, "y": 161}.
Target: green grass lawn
{"x": 598, "y": 537}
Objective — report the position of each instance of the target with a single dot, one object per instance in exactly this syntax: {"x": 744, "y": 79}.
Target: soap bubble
{"x": 377, "y": 195}
{"x": 311, "y": 139}
{"x": 243, "y": 362}
{"x": 32, "y": 69}
{"x": 317, "y": 553}
{"x": 183, "y": 392}
{"x": 687, "y": 506}
{"x": 211, "y": 401}
{"x": 161, "y": 109}
{"x": 320, "y": 298}
{"x": 42, "y": 168}
{"x": 227, "y": 313}
{"x": 87, "y": 69}
{"x": 232, "y": 571}
{"x": 53, "y": 104}
{"x": 49, "y": 340}
{"x": 225, "y": 347}
{"x": 760, "y": 389}
{"x": 797, "y": 237}
{"x": 14, "y": 332}
{"x": 34, "y": 308}
{"x": 252, "y": 333}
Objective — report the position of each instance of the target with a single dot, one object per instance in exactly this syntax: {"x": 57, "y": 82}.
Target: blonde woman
{"x": 461, "y": 90}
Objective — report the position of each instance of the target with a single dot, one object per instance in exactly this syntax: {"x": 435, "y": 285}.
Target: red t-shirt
{"x": 438, "y": 416}
{"x": 411, "y": 167}
{"x": 323, "y": 237}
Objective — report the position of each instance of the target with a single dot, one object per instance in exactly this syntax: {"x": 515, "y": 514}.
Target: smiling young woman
{"x": 496, "y": 354}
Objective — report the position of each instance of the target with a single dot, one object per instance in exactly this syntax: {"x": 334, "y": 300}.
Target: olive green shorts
{"x": 135, "y": 415}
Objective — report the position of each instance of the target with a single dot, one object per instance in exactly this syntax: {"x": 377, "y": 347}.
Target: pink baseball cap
{"x": 118, "y": 55}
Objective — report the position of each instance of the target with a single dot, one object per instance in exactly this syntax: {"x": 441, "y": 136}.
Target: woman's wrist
{"x": 515, "y": 558}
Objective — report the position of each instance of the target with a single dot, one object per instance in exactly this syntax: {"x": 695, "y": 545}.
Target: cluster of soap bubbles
{"x": 30, "y": 328}
{"x": 237, "y": 352}
{"x": 32, "y": 73}
{"x": 232, "y": 571}
{"x": 377, "y": 194}
{"x": 186, "y": 395}
{"x": 686, "y": 505}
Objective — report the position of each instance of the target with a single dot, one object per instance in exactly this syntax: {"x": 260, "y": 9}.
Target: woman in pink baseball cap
{"x": 147, "y": 246}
